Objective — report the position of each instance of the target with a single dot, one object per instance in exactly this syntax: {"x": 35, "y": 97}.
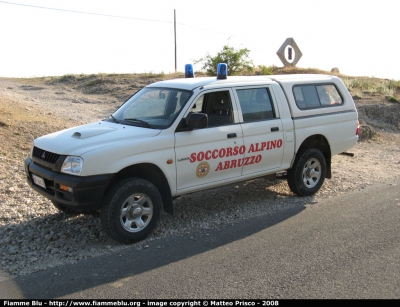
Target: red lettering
{"x": 242, "y": 149}
{"x": 233, "y": 163}
{"x": 222, "y": 153}
{"x": 257, "y": 149}
{"x": 240, "y": 162}
{"x": 252, "y": 158}
{"x": 273, "y": 144}
{"x": 200, "y": 156}
{"x": 193, "y": 157}
{"x": 247, "y": 161}
{"x": 229, "y": 152}
{"x": 208, "y": 154}
{"x": 219, "y": 167}
{"x": 251, "y": 148}
{"x": 227, "y": 164}
{"x": 268, "y": 145}
{"x": 258, "y": 158}
{"x": 215, "y": 154}
{"x": 279, "y": 143}
{"x": 263, "y": 145}
{"x": 235, "y": 150}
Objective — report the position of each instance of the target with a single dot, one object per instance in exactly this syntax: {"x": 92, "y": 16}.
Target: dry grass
{"x": 19, "y": 126}
{"x": 98, "y": 83}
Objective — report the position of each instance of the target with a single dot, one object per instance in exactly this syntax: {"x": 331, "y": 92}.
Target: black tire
{"x": 308, "y": 173}
{"x": 131, "y": 210}
{"x": 64, "y": 209}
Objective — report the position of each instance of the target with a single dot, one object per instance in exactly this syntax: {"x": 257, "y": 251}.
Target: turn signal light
{"x": 65, "y": 188}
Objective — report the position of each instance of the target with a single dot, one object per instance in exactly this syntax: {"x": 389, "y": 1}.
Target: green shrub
{"x": 66, "y": 78}
{"x": 352, "y": 83}
{"x": 237, "y": 60}
{"x": 392, "y": 98}
{"x": 266, "y": 70}
{"x": 94, "y": 82}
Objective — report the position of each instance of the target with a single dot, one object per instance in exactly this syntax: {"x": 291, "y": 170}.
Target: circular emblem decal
{"x": 202, "y": 169}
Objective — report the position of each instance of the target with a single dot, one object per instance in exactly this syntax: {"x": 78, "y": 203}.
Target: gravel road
{"x": 35, "y": 236}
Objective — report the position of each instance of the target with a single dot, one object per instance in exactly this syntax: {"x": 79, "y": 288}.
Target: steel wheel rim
{"x": 136, "y": 212}
{"x": 311, "y": 173}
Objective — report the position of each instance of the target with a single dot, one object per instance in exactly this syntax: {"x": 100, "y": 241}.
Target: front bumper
{"x": 87, "y": 192}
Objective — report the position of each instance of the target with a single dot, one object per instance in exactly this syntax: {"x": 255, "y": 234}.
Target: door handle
{"x": 273, "y": 129}
{"x": 232, "y": 135}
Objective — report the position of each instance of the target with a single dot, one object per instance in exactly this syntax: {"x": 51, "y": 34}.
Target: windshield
{"x": 152, "y": 107}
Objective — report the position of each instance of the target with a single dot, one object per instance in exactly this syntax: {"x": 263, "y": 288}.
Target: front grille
{"x": 46, "y": 156}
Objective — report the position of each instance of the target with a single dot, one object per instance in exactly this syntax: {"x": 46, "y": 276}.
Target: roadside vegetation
{"x": 239, "y": 63}
{"x": 359, "y": 87}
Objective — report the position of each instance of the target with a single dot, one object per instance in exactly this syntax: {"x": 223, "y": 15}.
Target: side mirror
{"x": 197, "y": 120}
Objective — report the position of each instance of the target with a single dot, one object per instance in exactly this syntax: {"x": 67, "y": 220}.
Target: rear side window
{"x": 316, "y": 96}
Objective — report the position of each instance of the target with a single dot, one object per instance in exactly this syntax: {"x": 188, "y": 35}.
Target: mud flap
{"x": 328, "y": 168}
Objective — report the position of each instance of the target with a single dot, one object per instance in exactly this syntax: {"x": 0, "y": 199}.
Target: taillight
{"x": 358, "y": 128}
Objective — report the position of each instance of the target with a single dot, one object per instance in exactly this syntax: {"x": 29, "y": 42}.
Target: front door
{"x": 215, "y": 153}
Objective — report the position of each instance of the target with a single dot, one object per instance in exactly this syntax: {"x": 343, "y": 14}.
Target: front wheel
{"x": 130, "y": 210}
{"x": 308, "y": 173}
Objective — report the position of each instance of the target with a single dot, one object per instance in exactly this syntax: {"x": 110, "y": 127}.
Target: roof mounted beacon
{"x": 189, "y": 73}
{"x": 222, "y": 71}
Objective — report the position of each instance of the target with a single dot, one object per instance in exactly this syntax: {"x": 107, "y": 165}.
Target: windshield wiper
{"x": 146, "y": 124}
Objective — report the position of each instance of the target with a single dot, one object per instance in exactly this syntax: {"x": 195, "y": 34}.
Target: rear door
{"x": 262, "y": 129}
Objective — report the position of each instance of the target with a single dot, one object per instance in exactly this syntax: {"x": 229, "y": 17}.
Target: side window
{"x": 198, "y": 105}
{"x": 255, "y": 104}
{"x": 217, "y": 106}
{"x": 316, "y": 96}
{"x": 328, "y": 95}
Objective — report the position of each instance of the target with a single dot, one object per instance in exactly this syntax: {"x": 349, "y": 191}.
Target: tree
{"x": 237, "y": 61}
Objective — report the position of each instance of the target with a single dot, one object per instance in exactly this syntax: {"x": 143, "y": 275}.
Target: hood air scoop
{"x": 89, "y": 132}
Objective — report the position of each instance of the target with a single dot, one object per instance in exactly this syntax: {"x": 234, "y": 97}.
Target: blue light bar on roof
{"x": 222, "y": 71}
{"x": 189, "y": 71}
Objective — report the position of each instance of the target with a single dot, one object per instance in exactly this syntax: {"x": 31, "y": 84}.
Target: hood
{"x": 78, "y": 140}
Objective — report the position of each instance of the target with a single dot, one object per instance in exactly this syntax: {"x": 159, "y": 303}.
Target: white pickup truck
{"x": 184, "y": 135}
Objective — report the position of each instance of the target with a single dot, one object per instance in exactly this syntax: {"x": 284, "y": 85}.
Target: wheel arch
{"x": 151, "y": 173}
{"x": 320, "y": 142}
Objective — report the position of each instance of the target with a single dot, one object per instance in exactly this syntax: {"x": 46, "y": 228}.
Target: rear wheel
{"x": 308, "y": 173}
{"x": 131, "y": 209}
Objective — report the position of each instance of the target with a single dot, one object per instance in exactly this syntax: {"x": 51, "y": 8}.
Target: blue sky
{"x": 121, "y": 36}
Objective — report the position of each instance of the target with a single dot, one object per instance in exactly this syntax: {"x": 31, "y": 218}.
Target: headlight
{"x": 72, "y": 165}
